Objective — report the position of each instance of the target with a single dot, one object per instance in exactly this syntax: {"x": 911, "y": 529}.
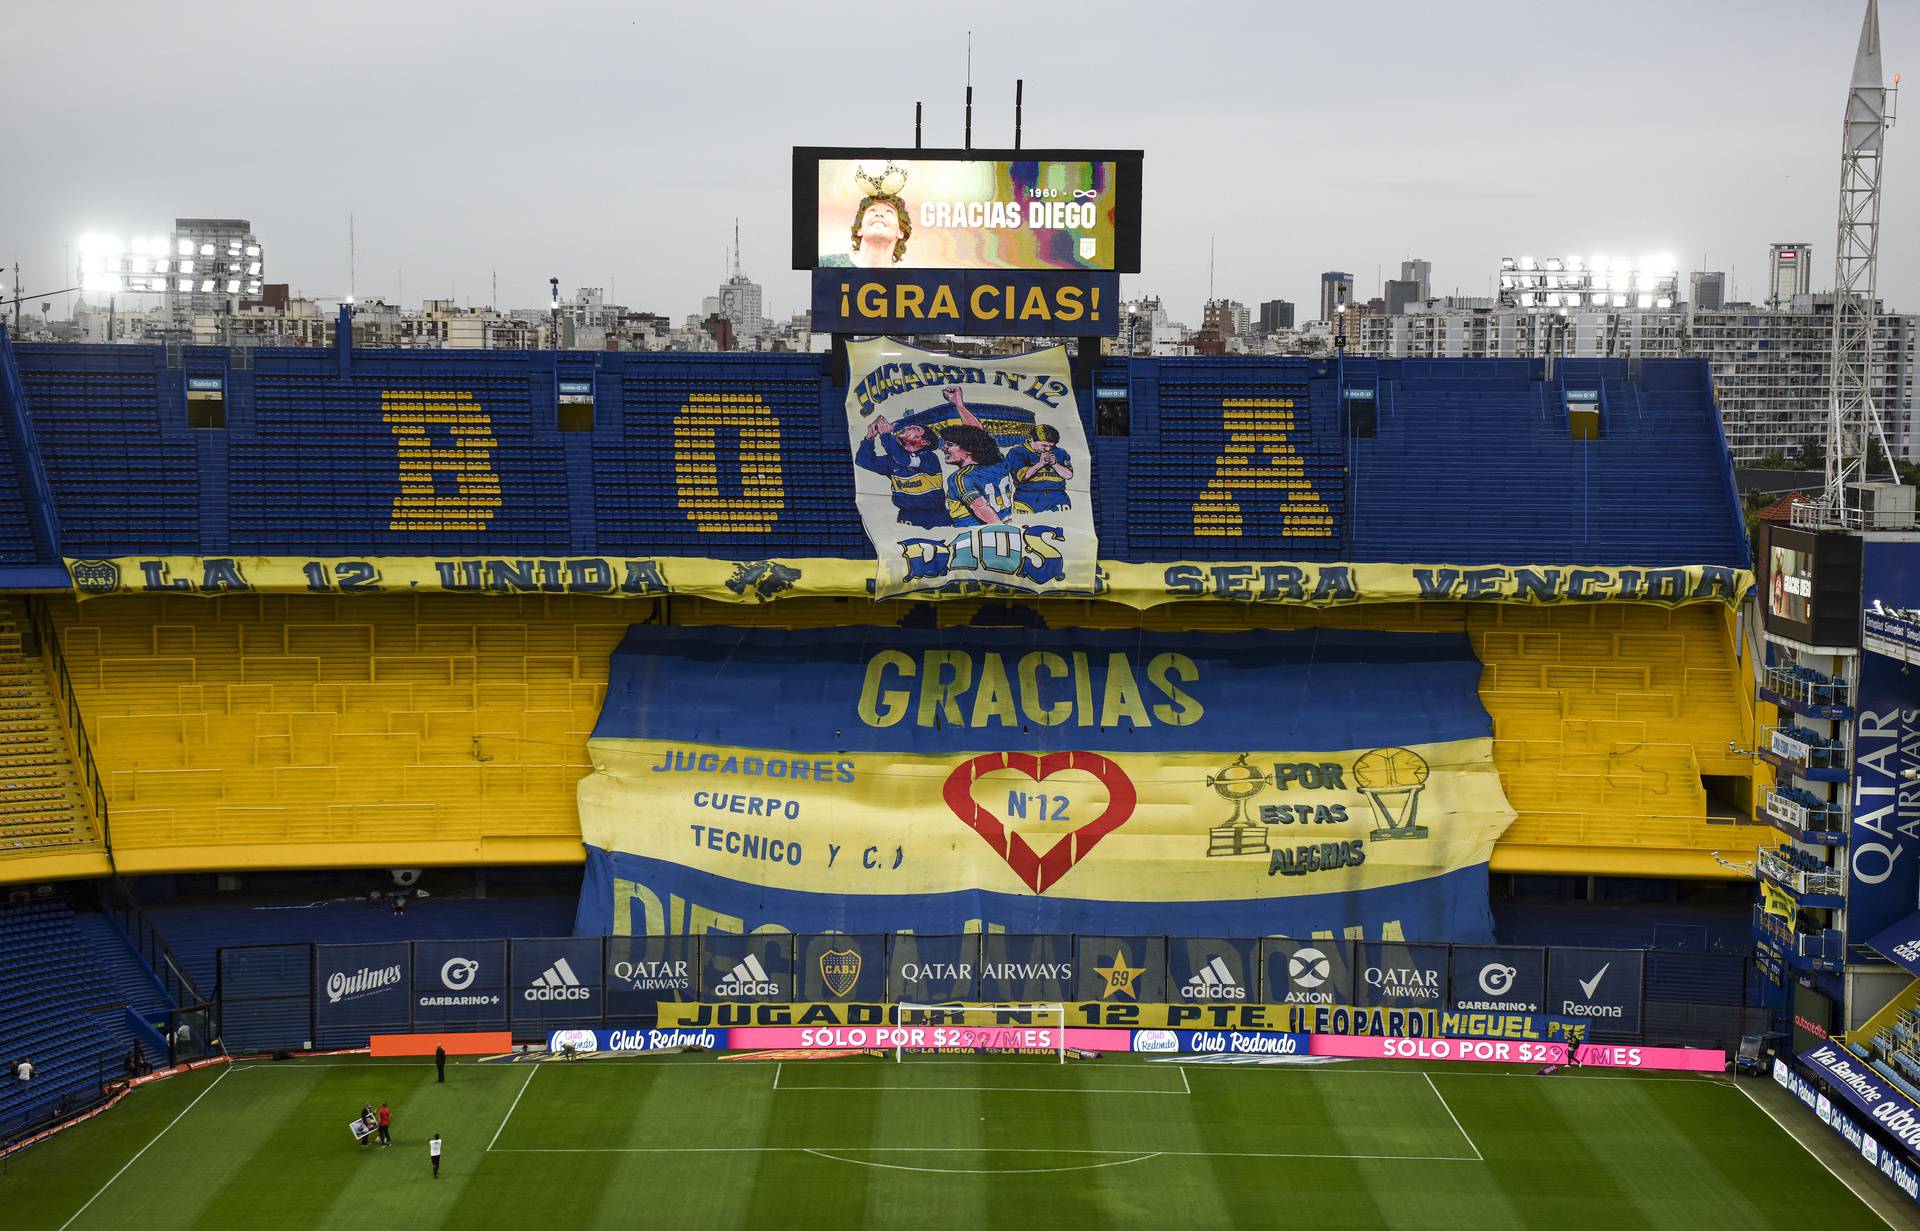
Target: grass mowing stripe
{"x": 1788, "y": 1130}
{"x": 143, "y": 1149}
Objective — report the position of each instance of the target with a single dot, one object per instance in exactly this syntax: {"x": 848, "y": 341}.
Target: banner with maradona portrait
{"x": 970, "y": 470}
{"x": 947, "y": 782}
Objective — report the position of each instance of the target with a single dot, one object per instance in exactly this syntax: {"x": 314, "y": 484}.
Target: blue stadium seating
{"x": 744, "y": 456}
{"x": 58, "y": 1012}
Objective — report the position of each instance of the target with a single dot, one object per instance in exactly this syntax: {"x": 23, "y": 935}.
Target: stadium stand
{"x": 744, "y": 456}
{"x": 58, "y": 1012}
{"x": 41, "y": 809}
{"x": 265, "y": 730}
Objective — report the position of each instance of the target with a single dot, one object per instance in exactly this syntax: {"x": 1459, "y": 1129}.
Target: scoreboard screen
{"x": 1075, "y": 210}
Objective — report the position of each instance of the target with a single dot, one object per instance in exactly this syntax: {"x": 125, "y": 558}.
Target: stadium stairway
{"x": 56, "y": 1010}
{"x": 129, "y": 980}
{"x": 41, "y": 808}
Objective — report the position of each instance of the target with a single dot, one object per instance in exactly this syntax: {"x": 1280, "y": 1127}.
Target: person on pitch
{"x": 386, "y": 1124}
{"x": 433, "y": 1152}
{"x": 367, "y": 1122}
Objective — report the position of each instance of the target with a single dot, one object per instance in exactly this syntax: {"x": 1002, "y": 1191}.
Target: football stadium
{"x": 973, "y": 774}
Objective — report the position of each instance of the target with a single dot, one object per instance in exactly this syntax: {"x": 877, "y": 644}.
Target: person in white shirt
{"x": 433, "y": 1152}
{"x": 24, "y": 1071}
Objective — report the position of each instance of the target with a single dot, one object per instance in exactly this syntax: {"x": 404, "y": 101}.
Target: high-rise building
{"x": 215, "y": 263}
{"x": 1789, "y": 273}
{"x": 1419, "y": 272}
{"x": 1275, "y": 315}
{"x": 740, "y": 300}
{"x": 1707, "y": 290}
{"x": 1402, "y": 293}
{"x": 1335, "y": 289}
{"x": 1225, "y": 318}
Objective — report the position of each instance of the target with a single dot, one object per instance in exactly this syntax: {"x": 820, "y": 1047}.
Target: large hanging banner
{"x": 884, "y": 780}
{"x": 765, "y": 581}
{"x": 970, "y": 470}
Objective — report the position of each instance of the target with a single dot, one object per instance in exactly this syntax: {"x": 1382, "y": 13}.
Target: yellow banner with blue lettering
{"x": 969, "y": 471}
{"x": 940, "y": 782}
{"x": 1137, "y": 585}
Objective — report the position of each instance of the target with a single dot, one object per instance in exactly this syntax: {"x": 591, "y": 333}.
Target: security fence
{"x": 274, "y": 997}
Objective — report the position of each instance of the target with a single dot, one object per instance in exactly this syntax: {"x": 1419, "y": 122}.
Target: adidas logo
{"x": 1213, "y": 982}
{"x": 558, "y": 983}
{"x": 748, "y": 978}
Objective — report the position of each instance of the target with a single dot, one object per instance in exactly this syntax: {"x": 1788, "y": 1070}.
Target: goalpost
{"x": 1015, "y": 1029}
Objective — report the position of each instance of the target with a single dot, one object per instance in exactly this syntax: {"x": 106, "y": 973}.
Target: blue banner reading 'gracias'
{"x": 881, "y": 779}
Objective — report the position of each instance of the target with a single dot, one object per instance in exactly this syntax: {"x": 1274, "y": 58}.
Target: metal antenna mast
{"x": 1851, "y": 413}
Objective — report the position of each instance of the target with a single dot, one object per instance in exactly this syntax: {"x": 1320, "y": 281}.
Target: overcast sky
{"x": 613, "y": 144}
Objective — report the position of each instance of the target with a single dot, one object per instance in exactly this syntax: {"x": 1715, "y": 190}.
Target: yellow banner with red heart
{"x": 1245, "y": 843}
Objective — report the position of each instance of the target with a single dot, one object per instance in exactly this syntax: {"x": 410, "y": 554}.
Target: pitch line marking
{"x": 143, "y": 1149}
{"x": 864, "y": 1162}
{"x": 1388, "y": 1158}
{"x": 531, "y": 1070}
{"x": 997, "y": 1089}
{"x": 1788, "y": 1130}
{"x": 1456, "y": 1119}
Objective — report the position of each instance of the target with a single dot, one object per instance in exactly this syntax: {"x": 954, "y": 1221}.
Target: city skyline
{"x": 531, "y": 180}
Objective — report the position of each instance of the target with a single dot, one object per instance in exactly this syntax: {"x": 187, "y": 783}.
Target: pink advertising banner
{"x": 985, "y": 1038}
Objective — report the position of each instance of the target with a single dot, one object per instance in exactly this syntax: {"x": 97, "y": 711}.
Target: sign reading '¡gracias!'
{"x": 970, "y": 302}
{"x": 1037, "y": 781}
{"x": 969, "y": 471}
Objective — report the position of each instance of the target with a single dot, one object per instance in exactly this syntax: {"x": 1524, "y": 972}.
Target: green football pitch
{"x": 694, "y": 1141}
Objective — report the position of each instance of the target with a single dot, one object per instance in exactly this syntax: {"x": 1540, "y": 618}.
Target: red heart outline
{"x": 1040, "y": 872}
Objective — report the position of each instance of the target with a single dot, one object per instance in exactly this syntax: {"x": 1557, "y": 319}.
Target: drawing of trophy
{"x": 1392, "y": 779}
{"x": 1238, "y": 783}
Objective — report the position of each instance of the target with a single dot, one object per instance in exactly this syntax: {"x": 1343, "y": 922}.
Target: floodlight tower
{"x": 1851, "y": 413}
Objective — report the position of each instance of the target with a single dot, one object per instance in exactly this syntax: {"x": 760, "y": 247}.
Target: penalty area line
{"x": 1448, "y": 1107}
{"x": 531, "y": 1070}
{"x": 1130, "y": 1155}
{"x": 143, "y": 1149}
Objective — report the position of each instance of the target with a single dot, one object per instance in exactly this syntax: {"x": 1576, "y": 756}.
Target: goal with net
{"x": 1011, "y": 1029}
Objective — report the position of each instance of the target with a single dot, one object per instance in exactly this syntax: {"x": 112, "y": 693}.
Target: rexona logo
{"x": 558, "y": 983}
{"x": 1213, "y": 982}
{"x": 1587, "y": 1008}
{"x": 343, "y": 986}
{"x": 748, "y": 978}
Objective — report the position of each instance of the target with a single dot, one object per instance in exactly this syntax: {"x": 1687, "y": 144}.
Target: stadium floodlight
{"x": 185, "y": 247}
{"x": 1527, "y": 262}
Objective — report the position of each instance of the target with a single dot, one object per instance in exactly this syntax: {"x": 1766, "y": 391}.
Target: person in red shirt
{"x": 386, "y": 1124}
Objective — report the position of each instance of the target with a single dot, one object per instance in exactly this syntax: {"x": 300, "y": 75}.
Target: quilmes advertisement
{"x": 970, "y": 470}
{"x": 943, "y": 782}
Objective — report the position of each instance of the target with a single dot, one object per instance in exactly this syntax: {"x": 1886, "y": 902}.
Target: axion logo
{"x": 1496, "y": 979}
{"x": 456, "y": 973}
{"x": 1308, "y": 968}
